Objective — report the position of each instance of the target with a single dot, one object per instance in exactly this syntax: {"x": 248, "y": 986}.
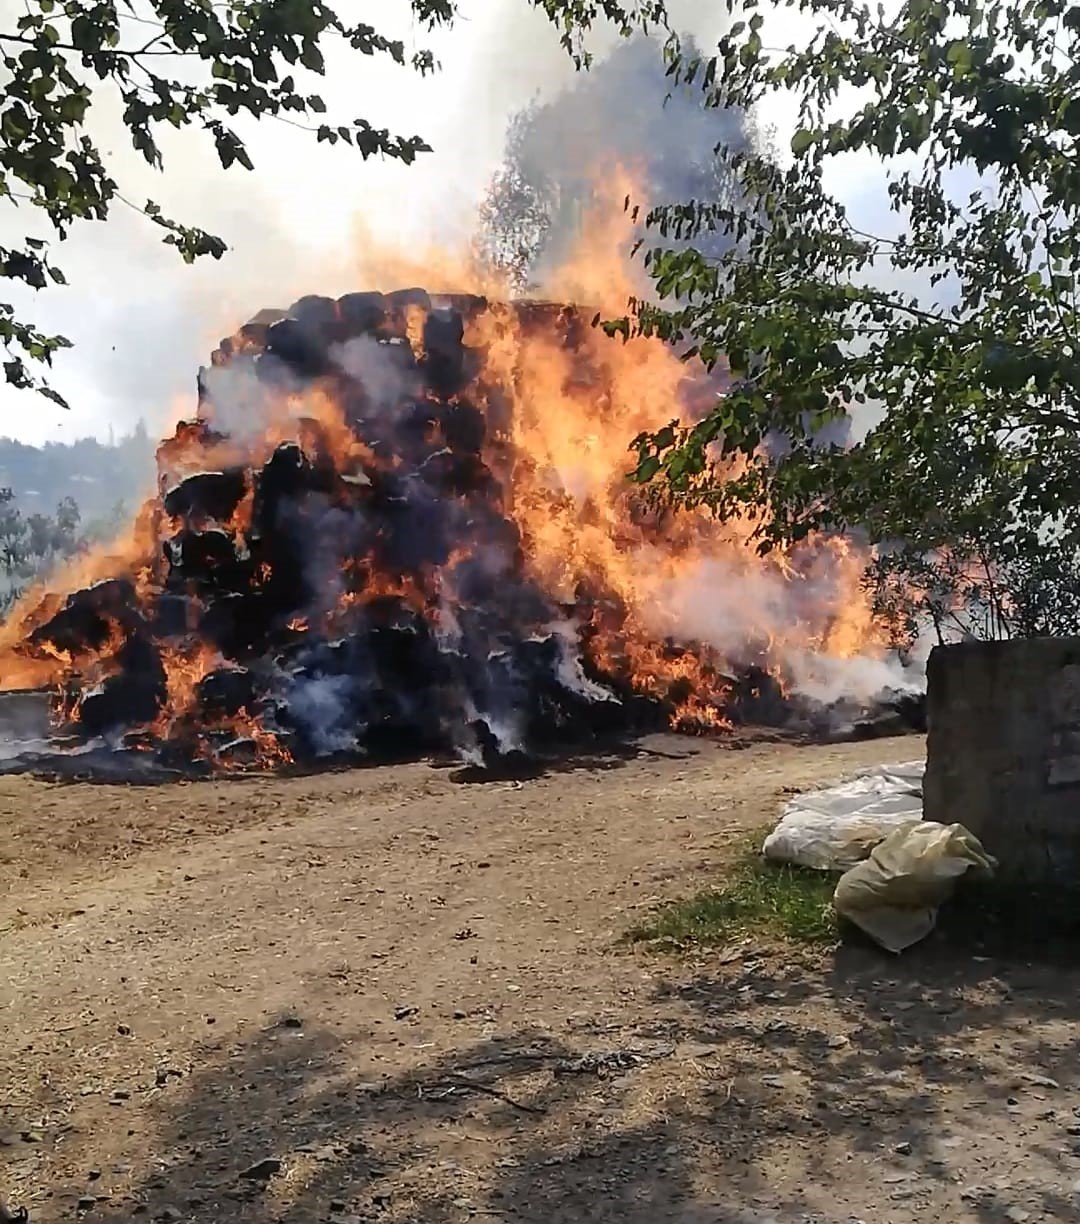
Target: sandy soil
{"x": 388, "y": 996}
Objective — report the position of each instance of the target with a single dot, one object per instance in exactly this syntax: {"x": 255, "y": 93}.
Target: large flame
{"x": 679, "y": 606}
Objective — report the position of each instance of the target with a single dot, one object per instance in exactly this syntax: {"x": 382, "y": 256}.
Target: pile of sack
{"x": 897, "y": 869}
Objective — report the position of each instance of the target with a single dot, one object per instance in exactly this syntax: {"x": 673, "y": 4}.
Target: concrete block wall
{"x": 1003, "y": 752}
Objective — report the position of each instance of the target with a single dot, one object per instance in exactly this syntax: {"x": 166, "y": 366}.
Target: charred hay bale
{"x": 235, "y": 751}
{"x": 207, "y": 495}
{"x": 300, "y": 349}
{"x": 407, "y": 660}
{"x": 496, "y": 760}
{"x": 402, "y": 299}
{"x": 392, "y": 736}
{"x": 253, "y": 333}
{"x": 457, "y": 473}
{"x": 910, "y": 707}
{"x": 89, "y": 618}
{"x": 189, "y": 439}
{"x": 498, "y": 414}
{"x": 208, "y": 559}
{"x": 377, "y": 383}
{"x": 493, "y": 573}
{"x": 238, "y": 624}
{"x": 292, "y": 495}
{"x": 401, "y": 305}
{"x": 469, "y": 305}
{"x": 116, "y": 703}
{"x": 225, "y": 691}
{"x": 449, "y": 364}
{"x": 550, "y": 318}
{"x": 135, "y": 695}
{"x": 423, "y": 427}
{"x": 283, "y": 477}
{"x": 374, "y": 688}
{"x": 324, "y": 709}
{"x": 551, "y": 713}
{"x": 362, "y": 313}
{"x": 397, "y": 357}
{"x": 413, "y": 432}
{"x": 317, "y": 658}
{"x": 321, "y": 474}
{"x": 287, "y": 479}
{"x": 444, "y": 354}
{"x": 318, "y": 315}
{"x": 416, "y": 526}
{"x": 249, "y": 340}
{"x": 397, "y": 726}
{"x": 464, "y": 427}
{"x": 172, "y": 614}
{"x": 267, "y": 317}
{"x": 756, "y": 698}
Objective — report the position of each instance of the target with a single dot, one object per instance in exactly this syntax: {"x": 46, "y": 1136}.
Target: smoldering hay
{"x": 399, "y": 523}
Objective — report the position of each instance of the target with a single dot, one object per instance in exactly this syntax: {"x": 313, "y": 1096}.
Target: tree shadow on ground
{"x": 414, "y": 1146}
{"x": 691, "y": 1111}
{"x": 282, "y": 1129}
{"x": 892, "y": 1043}
{"x": 723, "y": 1093}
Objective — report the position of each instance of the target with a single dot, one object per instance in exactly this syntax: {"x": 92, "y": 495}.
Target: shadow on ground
{"x": 930, "y": 1065}
{"x": 731, "y": 1094}
{"x": 480, "y": 1132}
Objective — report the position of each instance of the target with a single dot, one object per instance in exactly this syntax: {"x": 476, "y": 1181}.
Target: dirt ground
{"x": 389, "y": 996}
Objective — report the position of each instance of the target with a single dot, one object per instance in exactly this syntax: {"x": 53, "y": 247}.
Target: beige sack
{"x": 895, "y": 894}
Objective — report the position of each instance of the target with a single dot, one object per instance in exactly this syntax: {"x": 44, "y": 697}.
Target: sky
{"x": 303, "y": 221}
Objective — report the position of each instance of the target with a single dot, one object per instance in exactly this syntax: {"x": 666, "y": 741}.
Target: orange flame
{"x": 560, "y": 416}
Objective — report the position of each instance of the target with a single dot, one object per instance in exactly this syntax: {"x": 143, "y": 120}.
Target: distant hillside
{"x": 96, "y": 475}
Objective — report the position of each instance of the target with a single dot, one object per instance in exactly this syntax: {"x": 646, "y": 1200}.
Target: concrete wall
{"x": 1003, "y": 751}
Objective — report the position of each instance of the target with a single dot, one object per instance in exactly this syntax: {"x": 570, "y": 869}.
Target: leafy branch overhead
{"x": 180, "y": 64}
{"x": 951, "y": 331}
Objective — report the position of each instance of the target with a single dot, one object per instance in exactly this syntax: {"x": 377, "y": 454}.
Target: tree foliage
{"x": 31, "y": 545}
{"x": 951, "y": 335}
{"x": 179, "y": 64}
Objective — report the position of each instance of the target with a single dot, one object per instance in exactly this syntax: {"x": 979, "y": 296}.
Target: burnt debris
{"x": 351, "y": 583}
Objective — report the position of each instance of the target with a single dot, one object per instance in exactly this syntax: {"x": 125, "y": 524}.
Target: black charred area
{"x": 368, "y": 603}
{"x": 391, "y": 681}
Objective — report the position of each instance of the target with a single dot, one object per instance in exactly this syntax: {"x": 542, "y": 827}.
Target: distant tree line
{"x": 95, "y": 474}
{"x": 89, "y": 488}
{"x": 32, "y": 544}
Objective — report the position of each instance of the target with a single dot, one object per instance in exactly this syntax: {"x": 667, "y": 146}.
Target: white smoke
{"x": 321, "y": 704}
{"x": 373, "y": 366}
{"x": 732, "y": 606}
{"x": 143, "y": 322}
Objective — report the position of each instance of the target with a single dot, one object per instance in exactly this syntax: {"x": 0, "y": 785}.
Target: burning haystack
{"x": 399, "y": 524}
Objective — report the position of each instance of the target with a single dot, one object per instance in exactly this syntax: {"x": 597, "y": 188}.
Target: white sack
{"x": 835, "y": 828}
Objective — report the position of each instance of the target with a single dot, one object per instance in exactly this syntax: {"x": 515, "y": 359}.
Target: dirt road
{"x": 388, "y": 996}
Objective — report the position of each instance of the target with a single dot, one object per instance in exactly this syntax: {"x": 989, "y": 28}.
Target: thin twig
{"x": 462, "y": 1081}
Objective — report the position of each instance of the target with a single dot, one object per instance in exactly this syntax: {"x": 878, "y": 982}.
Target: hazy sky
{"x": 143, "y": 321}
